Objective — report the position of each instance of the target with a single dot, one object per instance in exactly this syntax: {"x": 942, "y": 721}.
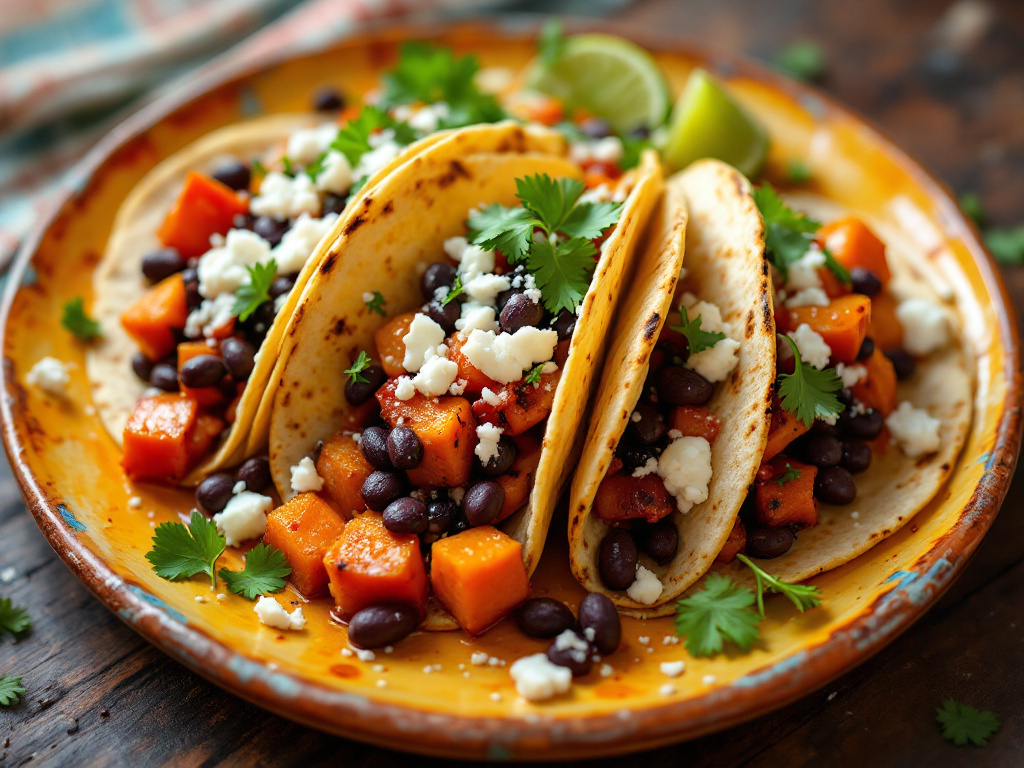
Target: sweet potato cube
{"x": 878, "y": 389}
{"x": 344, "y": 470}
{"x": 788, "y": 497}
{"x": 843, "y": 324}
{"x": 475, "y": 379}
{"x": 303, "y": 529}
{"x": 696, "y": 421}
{"x": 208, "y": 428}
{"x": 204, "y": 207}
{"x": 479, "y": 576}
{"x": 624, "y": 497}
{"x": 852, "y": 244}
{"x": 885, "y": 329}
{"x": 158, "y": 438}
{"x": 735, "y": 544}
{"x": 517, "y": 483}
{"x": 519, "y": 405}
{"x": 368, "y": 564}
{"x": 784, "y": 429}
{"x": 447, "y": 429}
{"x": 152, "y": 320}
{"x": 389, "y": 339}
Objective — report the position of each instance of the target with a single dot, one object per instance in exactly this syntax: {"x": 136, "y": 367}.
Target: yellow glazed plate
{"x": 427, "y": 695}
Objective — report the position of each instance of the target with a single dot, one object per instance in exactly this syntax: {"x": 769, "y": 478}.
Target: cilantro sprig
{"x": 791, "y": 473}
{"x": 353, "y": 140}
{"x": 720, "y": 612}
{"x": 77, "y": 321}
{"x": 249, "y": 296}
{"x": 376, "y": 304}
{"x": 454, "y": 293}
{"x": 696, "y": 339}
{"x": 265, "y": 571}
{"x": 562, "y": 258}
{"x": 963, "y": 724}
{"x": 533, "y": 377}
{"x": 11, "y": 690}
{"x": 180, "y": 552}
{"x": 809, "y": 393}
{"x": 13, "y": 620}
{"x": 803, "y": 596}
{"x": 360, "y": 364}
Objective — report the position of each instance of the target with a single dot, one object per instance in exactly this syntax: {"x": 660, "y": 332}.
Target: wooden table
{"x": 99, "y": 695}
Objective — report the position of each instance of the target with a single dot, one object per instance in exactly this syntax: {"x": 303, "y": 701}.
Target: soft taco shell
{"x": 724, "y": 264}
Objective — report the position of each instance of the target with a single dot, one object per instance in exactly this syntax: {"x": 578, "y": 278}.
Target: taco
{"x": 447, "y": 415}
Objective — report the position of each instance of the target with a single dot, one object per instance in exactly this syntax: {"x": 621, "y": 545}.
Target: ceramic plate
{"x": 427, "y": 695}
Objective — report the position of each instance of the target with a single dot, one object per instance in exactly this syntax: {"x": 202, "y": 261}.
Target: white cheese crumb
{"x": 364, "y": 655}
{"x": 458, "y": 387}
{"x": 813, "y": 349}
{"x": 644, "y": 640}
{"x": 307, "y": 144}
{"x": 709, "y": 679}
{"x": 238, "y": 487}
{"x": 489, "y": 397}
{"x": 405, "y": 389}
{"x": 336, "y": 175}
{"x": 914, "y": 429}
{"x": 50, "y": 375}
{"x": 685, "y": 466}
{"x": 577, "y": 648}
{"x": 537, "y": 679}
{"x": 478, "y": 659}
{"x": 221, "y": 597}
{"x": 851, "y": 374}
{"x": 382, "y": 683}
{"x": 636, "y": 418}
{"x": 503, "y": 357}
{"x": 135, "y": 502}
{"x": 272, "y": 614}
{"x": 436, "y": 376}
{"x": 607, "y": 670}
{"x": 667, "y": 689}
{"x": 285, "y": 197}
{"x": 347, "y": 652}
{"x": 673, "y": 668}
{"x": 487, "y": 436}
{"x": 715, "y": 363}
{"x": 808, "y": 297}
{"x": 305, "y": 477}
{"x": 477, "y": 317}
{"x": 925, "y": 329}
{"x": 803, "y": 273}
{"x": 670, "y": 640}
{"x": 244, "y": 517}
{"x": 421, "y": 342}
{"x": 646, "y": 589}
{"x": 7, "y": 575}
{"x": 456, "y": 494}
{"x": 226, "y": 269}
{"x": 495, "y": 696}
{"x": 299, "y": 242}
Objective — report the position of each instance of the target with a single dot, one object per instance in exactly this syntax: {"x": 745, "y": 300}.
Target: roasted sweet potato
{"x": 303, "y": 529}
{"x": 843, "y": 324}
{"x": 208, "y": 428}
{"x": 158, "y": 438}
{"x": 788, "y": 497}
{"x": 735, "y": 544}
{"x": 519, "y": 405}
{"x": 344, "y": 469}
{"x": 696, "y": 421}
{"x": 878, "y": 389}
{"x": 446, "y": 427}
{"x": 205, "y": 207}
{"x": 152, "y": 320}
{"x": 885, "y": 330}
{"x": 205, "y": 396}
{"x": 517, "y": 483}
{"x": 831, "y": 284}
{"x": 475, "y": 379}
{"x": 784, "y": 429}
{"x": 368, "y": 564}
{"x": 479, "y": 576}
{"x": 852, "y": 244}
{"x": 390, "y": 345}
{"x": 623, "y": 497}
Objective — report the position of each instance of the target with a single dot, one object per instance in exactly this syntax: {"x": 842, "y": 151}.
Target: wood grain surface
{"x": 99, "y": 695}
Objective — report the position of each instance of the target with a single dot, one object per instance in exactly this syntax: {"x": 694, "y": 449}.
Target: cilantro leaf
{"x": 551, "y": 43}
{"x": 376, "y": 304}
{"x": 798, "y": 172}
{"x": 550, "y": 200}
{"x": 970, "y": 203}
{"x": 78, "y": 322}
{"x": 180, "y": 552}
{"x": 265, "y": 571}
{"x": 355, "y": 371}
{"x": 803, "y": 596}
{"x": 11, "y": 690}
{"x": 289, "y": 169}
{"x": 632, "y": 148}
{"x": 720, "y": 612}
{"x": 12, "y": 618}
{"x": 353, "y": 139}
{"x": 842, "y": 273}
{"x": 789, "y": 474}
{"x": 963, "y": 724}
{"x": 509, "y": 230}
{"x": 1006, "y": 245}
{"x": 590, "y": 220}
{"x": 315, "y": 168}
{"x": 804, "y": 60}
{"x": 533, "y": 377}
{"x": 249, "y": 297}
{"x": 454, "y": 293}
{"x": 809, "y": 393}
{"x": 562, "y": 271}
{"x": 785, "y": 230}
{"x": 696, "y": 339}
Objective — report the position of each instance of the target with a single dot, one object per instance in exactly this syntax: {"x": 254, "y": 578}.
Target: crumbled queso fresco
{"x": 924, "y": 324}
{"x": 717, "y": 362}
{"x": 244, "y": 517}
{"x": 537, "y": 679}
{"x": 304, "y": 476}
{"x": 646, "y": 589}
{"x": 813, "y": 349}
{"x": 272, "y": 614}
{"x": 916, "y": 432}
{"x": 50, "y": 375}
{"x": 685, "y": 467}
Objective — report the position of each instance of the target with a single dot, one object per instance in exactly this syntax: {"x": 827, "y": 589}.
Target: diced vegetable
{"x": 152, "y": 320}
{"x": 696, "y": 421}
{"x": 843, "y": 324}
{"x": 479, "y": 576}
{"x": 518, "y": 481}
{"x": 545, "y": 110}
{"x": 561, "y": 353}
{"x": 878, "y": 389}
{"x": 446, "y": 427}
{"x": 368, "y": 564}
{"x": 735, "y": 544}
{"x": 520, "y": 405}
{"x": 885, "y": 330}
{"x": 390, "y": 345}
{"x": 831, "y": 285}
{"x": 852, "y": 244}
{"x": 158, "y": 438}
{"x": 784, "y": 499}
{"x": 475, "y": 379}
{"x": 208, "y": 428}
{"x": 205, "y": 207}
{"x": 205, "y": 396}
{"x": 303, "y": 529}
{"x": 344, "y": 469}
{"x": 623, "y": 497}
{"x": 784, "y": 429}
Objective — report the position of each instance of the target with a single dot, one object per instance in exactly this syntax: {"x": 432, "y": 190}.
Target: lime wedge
{"x": 707, "y": 122}
{"x": 608, "y": 77}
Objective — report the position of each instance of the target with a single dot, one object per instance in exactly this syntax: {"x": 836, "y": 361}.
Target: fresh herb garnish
{"x": 249, "y": 297}
{"x": 798, "y": 172}
{"x": 963, "y": 724}
{"x": 258, "y": 168}
{"x": 786, "y": 232}
{"x": 1006, "y": 245}
{"x": 289, "y": 169}
{"x": 315, "y": 168}
{"x": 632, "y": 148}
{"x": 551, "y": 43}
{"x": 789, "y": 474}
{"x": 533, "y": 377}
{"x": 454, "y": 293}
{"x": 11, "y": 690}
{"x": 842, "y": 273}
{"x": 180, "y": 552}
{"x": 353, "y": 139}
{"x": 803, "y": 596}
{"x": 265, "y": 571}
{"x": 376, "y": 304}
{"x": 970, "y": 203}
{"x": 562, "y": 259}
{"x": 355, "y": 372}
{"x": 809, "y": 393}
{"x": 13, "y": 619}
{"x": 804, "y": 61}
{"x": 696, "y": 339}
{"x": 720, "y": 612}
{"x": 75, "y": 320}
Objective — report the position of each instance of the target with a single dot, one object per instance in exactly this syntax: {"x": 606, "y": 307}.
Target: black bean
{"x": 902, "y": 361}
{"x": 214, "y": 492}
{"x": 865, "y": 426}
{"x": 162, "y": 263}
{"x": 239, "y": 357}
{"x": 404, "y": 448}
{"x": 441, "y": 274}
{"x": 503, "y": 296}
{"x": 845, "y": 396}
{"x": 358, "y": 392}
{"x": 865, "y": 282}
{"x": 281, "y": 286}
{"x": 834, "y": 485}
{"x": 142, "y": 366}
{"x": 271, "y": 230}
{"x": 650, "y": 427}
{"x": 242, "y": 221}
{"x": 406, "y": 515}
{"x": 328, "y": 99}
{"x": 333, "y": 204}
{"x": 445, "y": 315}
{"x": 381, "y": 488}
{"x": 564, "y": 324}
{"x": 867, "y": 349}
{"x": 544, "y": 617}
{"x": 459, "y": 523}
{"x": 600, "y": 623}
{"x": 520, "y": 312}
{"x": 856, "y": 456}
{"x": 824, "y": 428}
{"x": 681, "y": 386}
{"x": 483, "y": 502}
{"x": 635, "y": 456}
{"x": 379, "y": 625}
{"x": 192, "y": 296}
{"x": 233, "y": 173}
{"x": 502, "y": 463}
{"x": 596, "y": 128}
{"x": 165, "y": 377}
{"x": 441, "y": 514}
{"x": 765, "y": 542}
{"x": 255, "y": 473}
{"x": 616, "y": 559}
{"x": 573, "y": 652}
{"x": 374, "y": 445}
{"x": 822, "y": 450}
{"x": 202, "y": 371}
{"x": 661, "y": 540}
